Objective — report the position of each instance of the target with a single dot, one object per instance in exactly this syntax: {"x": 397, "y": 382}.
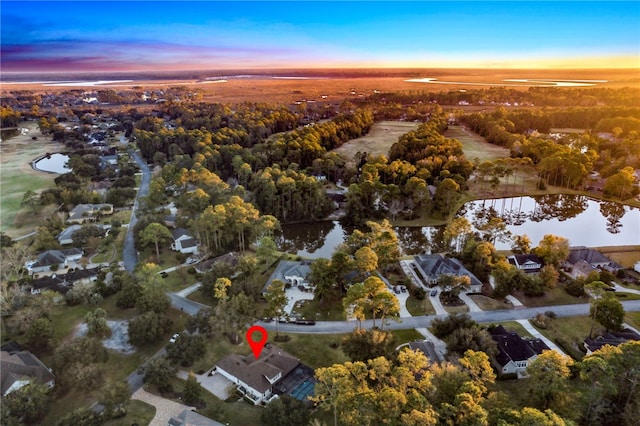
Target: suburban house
{"x": 613, "y": 338}
{"x": 230, "y": 259}
{"x": 66, "y": 236}
{"x": 274, "y": 373}
{"x": 293, "y": 273}
{"x": 431, "y": 266}
{"x": 84, "y": 212}
{"x": 47, "y": 259}
{"x": 62, "y": 283}
{"x": 582, "y": 260}
{"x": 528, "y": 263}
{"x": 183, "y": 241}
{"x": 19, "y": 368}
{"x": 514, "y": 352}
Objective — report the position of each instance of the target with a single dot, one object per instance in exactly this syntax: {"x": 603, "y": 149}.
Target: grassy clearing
{"x": 633, "y": 319}
{"x": 167, "y": 256}
{"x": 488, "y": 304}
{"x": 315, "y": 350}
{"x": 569, "y": 333}
{"x": 475, "y": 146}
{"x": 180, "y": 279}
{"x": 138, "y": 412}
{"x": 556, "y": 296}
{"x": 379, "y": 139}
{"x": 420, "y": 307}
{"x": 456, "y": 309}
{"x": 312, "y": 309}
{"x": 18, "y": 177}
{"x": 404, "y": 336}
{"x": 513, "y": 326}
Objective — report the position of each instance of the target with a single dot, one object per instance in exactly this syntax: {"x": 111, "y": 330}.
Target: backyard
{"x": 379, "y": 139}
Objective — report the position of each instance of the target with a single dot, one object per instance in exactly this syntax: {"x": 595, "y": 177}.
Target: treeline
{"x": 534, "y": 96}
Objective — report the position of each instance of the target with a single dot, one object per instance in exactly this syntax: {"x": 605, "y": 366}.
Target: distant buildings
{"x": 613, "y": 338}
{"x": 49, "y": 258}
{"x": 583, "y": 260}
{"x": 529, "y": 263}
{"x": 85, "y": 212}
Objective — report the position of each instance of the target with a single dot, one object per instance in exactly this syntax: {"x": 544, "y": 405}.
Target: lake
{"x": 53, "y": 163}
{"x": 582, "y": 220}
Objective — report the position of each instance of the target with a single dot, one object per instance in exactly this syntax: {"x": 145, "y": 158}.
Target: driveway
{"x": 293, "y": 295}
{"x": 129, "y": 253}
{"x": 217, "y": 384}
{"x": 165, "y": 408}
{"x": 473, "y": 307}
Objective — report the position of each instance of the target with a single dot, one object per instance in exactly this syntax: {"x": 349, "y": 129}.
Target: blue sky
{"x": 162, "y": 35}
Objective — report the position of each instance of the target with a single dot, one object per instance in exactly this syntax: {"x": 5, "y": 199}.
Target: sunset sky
{"x": 160, "y": 35}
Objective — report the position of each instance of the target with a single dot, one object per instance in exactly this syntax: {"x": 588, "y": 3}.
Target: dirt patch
{"x": 379, "y": 139}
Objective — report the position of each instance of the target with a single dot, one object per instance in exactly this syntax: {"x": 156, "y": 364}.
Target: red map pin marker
{"x": 256, "y": 346}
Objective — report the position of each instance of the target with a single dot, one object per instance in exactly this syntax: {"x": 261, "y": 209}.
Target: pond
{"x": 52, "y": 163}
{"x": 582, "y": 220}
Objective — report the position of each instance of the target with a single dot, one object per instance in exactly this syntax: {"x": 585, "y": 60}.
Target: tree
{"x": 39, "y": 335}
{"x": 621, "y": 184}
{"x": 521, "y": 244}
{"x": 97, "y": 324}
{"x": 153, "y": 290}
{"x": 548, "y": 376}
{"x": 159, "y": 372}
{"x": 148, "y": 328}
{"x": 155, "y": 233}
{"x": 115, "y": 397}
{"x": 285, "y": 411}
{"x": 454, "y": 284}
{"x": 362, "y": 345}
{"x": 371, "y": 296}
{"x": 456, "y": 232}
{"x": 30, "y": 199}
{"x": 549, "y": 276}
{"x": 186, "y": 349}
{"x": 236, "y": 315}
{"x": 266, "y": 250}
{"x": 192, "y": 390}
{"x": 366, "y": 260}
{"x": 446, "y": 194}
{"x": 553, "y": 249}
{"x": 27, "y": 404}
{"x": 608, "y": 311}
{"x": 276, "y": 300}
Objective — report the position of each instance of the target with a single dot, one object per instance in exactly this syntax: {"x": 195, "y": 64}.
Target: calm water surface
{"x": 54, "y": 163}
{"x": 583, "y": 221}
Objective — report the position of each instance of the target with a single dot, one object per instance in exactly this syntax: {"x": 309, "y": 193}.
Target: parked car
{"x": 434, "y": 292}
{"x": 191, "y": 261}
{"x": 396, "y": 290}
{"x": 163, "y": 274}
{"x": 174, "y": 338}
{"x": 403, "y": 289}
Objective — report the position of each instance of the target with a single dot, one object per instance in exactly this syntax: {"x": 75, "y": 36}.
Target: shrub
{"x": 575, "y": 288}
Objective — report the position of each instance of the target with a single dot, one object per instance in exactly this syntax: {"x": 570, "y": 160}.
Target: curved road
{"x": 331, "y": 327}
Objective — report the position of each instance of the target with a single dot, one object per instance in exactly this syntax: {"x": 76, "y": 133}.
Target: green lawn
{"x": 488, "y": 304}
{"x": 633, "y": 319}
{"x": 405, "y": 336}
{"x": 329, "y": 312}
{"x": 512, "y": 326}
{"x": 315, "y": 350}
{"x": 569, "y": 333}
{"x": 475, "y": 146}
{"x": 138, "y": 412}
{"x": 556, "y": 296}
{"x": 420, "y": 307}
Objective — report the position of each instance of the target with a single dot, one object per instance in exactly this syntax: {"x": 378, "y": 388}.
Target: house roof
{"x": 254, "y": 372}
{"x": 68, "y": 232}
{"x": 434, "y": 265}
{"x": 524, "y": 258}
{"x": 512, "y": 347}
{"x": 188, "y": 242}
{"x": 22, "y": 365}
{"x": 78, "y": 211}
{"x": 289, "y": 268}
{"x": 613, "y": 338}
{"x": 229, "y": 258}
{"x": 588, "y": 255}
{"x": 62, "y": 283}
{"x": 179, "y": 233}
{"x": 52, "y": 257}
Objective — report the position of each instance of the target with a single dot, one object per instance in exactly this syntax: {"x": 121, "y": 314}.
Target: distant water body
{"x": 529, "y": 82}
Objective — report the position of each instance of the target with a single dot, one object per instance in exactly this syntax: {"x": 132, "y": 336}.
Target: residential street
{"x": 129, "y": 254}
{"x": 330, "y": 327}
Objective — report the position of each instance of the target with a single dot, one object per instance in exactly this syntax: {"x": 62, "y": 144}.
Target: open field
{"x": 379, "y": 139}
{"x": 325, "y": 85}
{"x": 626, "y": 256}
{"x": 475, "y": 146}
{"x": 17, "y": 177}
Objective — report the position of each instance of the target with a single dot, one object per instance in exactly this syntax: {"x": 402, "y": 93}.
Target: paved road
{"x": 129, "y": 254}
{"x": 330, "y": 327}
